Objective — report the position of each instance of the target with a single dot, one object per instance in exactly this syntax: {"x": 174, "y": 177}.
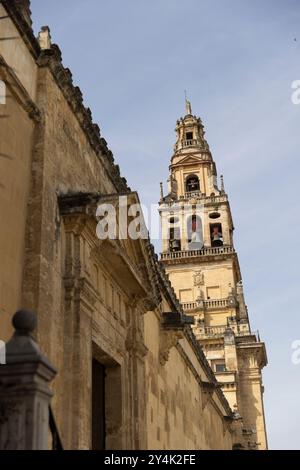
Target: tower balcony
{"x": 211, "y": 332}
{"x": 194, "y": 195}
{"x": 207, "y": 304}
{"x": 210, "y": 251}
{"x": 199, "y": 196}
{"x": 191, "y": 143}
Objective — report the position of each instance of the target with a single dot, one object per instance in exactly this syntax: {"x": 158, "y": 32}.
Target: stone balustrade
{"x": 210, "y": 251}
{"x": 206, "y": 200}
{"x": 206, "y": 304}
{"x": 191, "y": 143}
{"x": 219, "y": 331}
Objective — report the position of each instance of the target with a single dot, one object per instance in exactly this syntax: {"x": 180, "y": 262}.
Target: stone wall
{"x": 181, "y": 413}
{"x": 18, "y": 117}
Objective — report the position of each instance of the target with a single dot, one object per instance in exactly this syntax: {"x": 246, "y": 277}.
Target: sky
{"x": 237, "y": 59}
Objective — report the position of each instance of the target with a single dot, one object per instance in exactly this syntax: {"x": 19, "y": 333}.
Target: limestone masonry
{"x": 150, "y": 353}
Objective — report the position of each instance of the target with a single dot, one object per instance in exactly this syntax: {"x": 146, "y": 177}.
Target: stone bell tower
{"x": 199, "y": 256}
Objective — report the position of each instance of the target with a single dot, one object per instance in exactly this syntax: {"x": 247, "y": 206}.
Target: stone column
{"x": 24, "y": 389}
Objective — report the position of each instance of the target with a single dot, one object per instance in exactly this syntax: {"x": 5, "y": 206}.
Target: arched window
{"x": 174, "y": 235}
{"x": 192, "y": 184}
{"x": 195, "y": 233}
{"x": 2, "y": 92}
{"x": 216, "y": 235}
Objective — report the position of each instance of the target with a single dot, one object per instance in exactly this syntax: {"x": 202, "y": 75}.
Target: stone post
{"x": 24, "y": 390}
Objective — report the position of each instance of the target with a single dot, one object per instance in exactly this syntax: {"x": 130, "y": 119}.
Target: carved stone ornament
{"x": 168, "y": 340}
{"x": 198, "y": 278}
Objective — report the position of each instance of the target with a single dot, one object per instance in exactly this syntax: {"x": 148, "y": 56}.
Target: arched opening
{"x": 2, "y": 92}
{"x": 174, "y": 235}
{"x": 195, "y": 233}
{"x": 192, "y": 184}
{"x": 216, "y": 235}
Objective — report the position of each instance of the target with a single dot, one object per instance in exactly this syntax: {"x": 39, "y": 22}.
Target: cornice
{"x": 23, "y": 27}
{"x": 52, "y": 59}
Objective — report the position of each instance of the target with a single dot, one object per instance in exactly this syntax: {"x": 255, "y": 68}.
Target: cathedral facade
{"x": 135, "y": 370}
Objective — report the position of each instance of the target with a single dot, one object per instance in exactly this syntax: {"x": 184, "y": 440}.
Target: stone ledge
{"x": 23, "y": 26}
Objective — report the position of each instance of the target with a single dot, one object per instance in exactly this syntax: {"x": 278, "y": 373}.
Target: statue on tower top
{"x": 188, "y": 105}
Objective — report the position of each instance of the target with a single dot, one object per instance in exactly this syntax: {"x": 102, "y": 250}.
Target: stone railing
{"x": 205, "y": 200}
{"x": 190, "y": 143}
{"x": 220, "y": 250}
{"x": 216, "y": 199}
{"x": 206, "y": 304}
{"x": 215, "y": 330}
{"x": 194, "y": 194}
{"x": 190, "y": 306}
{"x": 216, "y": 303}
{"x": 219, "y": 330}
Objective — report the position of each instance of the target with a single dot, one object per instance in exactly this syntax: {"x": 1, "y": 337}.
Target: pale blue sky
{"x": 237, "y": 59}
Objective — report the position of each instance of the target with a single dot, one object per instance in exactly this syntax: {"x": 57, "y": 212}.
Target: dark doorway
{"x": 98, "y": 406}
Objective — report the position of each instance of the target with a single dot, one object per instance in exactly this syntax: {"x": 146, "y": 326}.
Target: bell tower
{"x": 200, "y": 259}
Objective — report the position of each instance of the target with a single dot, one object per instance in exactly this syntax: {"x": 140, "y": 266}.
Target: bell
{"x": 195, "y": 238}
{"x": 217, "y": 240}
{"x": 175, "y": 245}
{"x": 216, "y": 236}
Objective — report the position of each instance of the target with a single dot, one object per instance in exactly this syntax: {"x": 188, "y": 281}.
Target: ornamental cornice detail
{"x": 52, "y": 58}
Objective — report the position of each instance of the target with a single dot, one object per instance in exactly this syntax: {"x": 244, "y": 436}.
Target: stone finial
{"x": 161, "y": 191}
{"x": 24, "y": 322}
{"x": 44, "y": 38}
{"x": 239, "y": 287}
{"x": 222, "y": 184}
{"x": 22, "y": 348}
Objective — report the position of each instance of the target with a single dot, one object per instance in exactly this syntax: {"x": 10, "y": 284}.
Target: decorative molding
{"x": 52, "y": 59}
{"x": 168, "y": 340}
{"x": 136, "y": 346}
{"x": 198, "y": 278}
{"x": 18, "y": 91}
{"x": 23, "y": 26}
